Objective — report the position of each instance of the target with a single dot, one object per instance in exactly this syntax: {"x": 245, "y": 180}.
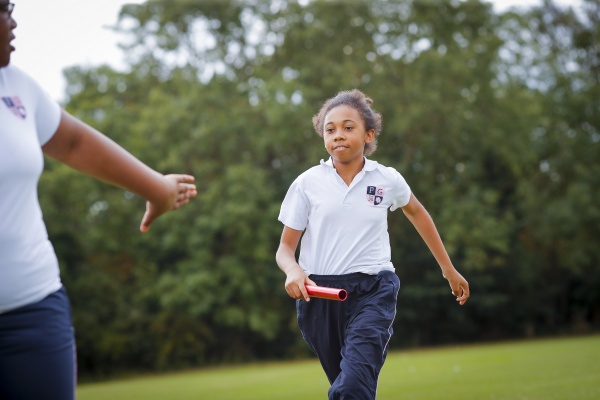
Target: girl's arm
{"x": 422, "y": 221}
{"x": 286, "y": 260}
{"x": 83, "y": 148}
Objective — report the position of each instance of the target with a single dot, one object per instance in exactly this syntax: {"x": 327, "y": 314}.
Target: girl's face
{"x": 7, "y": 24}
{"x": 345, "y": 136}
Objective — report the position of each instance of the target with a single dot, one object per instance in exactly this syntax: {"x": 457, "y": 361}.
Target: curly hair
{"x": 361, "y": 103}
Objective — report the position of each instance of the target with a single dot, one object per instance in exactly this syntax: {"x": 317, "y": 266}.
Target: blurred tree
{"x": 560, "y": 217}
{"x": 492, "y": 119}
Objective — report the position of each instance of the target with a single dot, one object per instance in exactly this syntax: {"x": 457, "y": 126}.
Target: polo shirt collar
{"x": 370, "y": 165}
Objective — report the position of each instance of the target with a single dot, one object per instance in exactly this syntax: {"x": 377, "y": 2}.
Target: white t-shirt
{"x": 345, "y": 227}
{"x": 28, "y": 119}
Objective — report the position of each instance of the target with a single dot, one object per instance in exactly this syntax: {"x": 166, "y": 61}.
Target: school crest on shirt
{"x": 15, "y": 105}
{"x": 375, "y": 195}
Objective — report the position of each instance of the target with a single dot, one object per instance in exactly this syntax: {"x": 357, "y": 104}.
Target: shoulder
{"x": 16, "y": 74}
{"x": 16, "y": 80}
{"x": 315, "y": 172}
{"x": 386, "y": 172}
{"x": 389, "y": 176}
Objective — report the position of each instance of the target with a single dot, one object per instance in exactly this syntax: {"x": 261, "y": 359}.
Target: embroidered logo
{"x": 375, "y": 195}
{"x": 14, "y": 104}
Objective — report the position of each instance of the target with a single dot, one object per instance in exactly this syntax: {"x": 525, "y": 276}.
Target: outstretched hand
{"x": 459, "y": 286}
{"x": 179, "y": 192}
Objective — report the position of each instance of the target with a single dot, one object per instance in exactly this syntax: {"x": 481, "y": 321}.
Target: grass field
{"x": 557, "y": 369}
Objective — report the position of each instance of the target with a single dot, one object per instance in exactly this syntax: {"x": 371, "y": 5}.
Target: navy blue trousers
{"x": 351, "y": 338}
{"x": 37, "y": 351}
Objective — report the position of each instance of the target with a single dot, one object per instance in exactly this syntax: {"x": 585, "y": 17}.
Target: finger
{"x": 181, "y": 200}
{"x": 290, "y": 292}
{"x": 189, "y": 192}
{"x": 304, "y": 293}
{"x": 308, "y": 281}
{"x": 182, "y": 178}
{"x": 300, "y": 294}
{"x": 146, "y": 220}
{"x": 183, "y": 197}
{"x": 462, "y": 299}
{"x": 293, "y": 291}
{"x": 465, "y": 289}
{"x": 298, "y": 291}
{"x": 186, "y": 187}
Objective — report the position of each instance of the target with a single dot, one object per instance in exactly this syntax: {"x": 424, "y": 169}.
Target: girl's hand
{"x": 459, "y": 286}
{"x": 179, "y": 192}
{"x": 295, "y": 284}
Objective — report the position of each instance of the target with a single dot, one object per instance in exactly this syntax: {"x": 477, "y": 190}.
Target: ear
{"x": 370, "y": 136}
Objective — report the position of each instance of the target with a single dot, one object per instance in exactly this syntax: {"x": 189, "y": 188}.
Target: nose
{"x": 9, "y": 21}
{"x": 339, "y": 135}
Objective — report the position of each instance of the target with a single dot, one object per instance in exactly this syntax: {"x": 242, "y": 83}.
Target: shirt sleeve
{"x": 295, "y": 207}
{"x": 47, "y": 114}
{"x": 403, "y": 193}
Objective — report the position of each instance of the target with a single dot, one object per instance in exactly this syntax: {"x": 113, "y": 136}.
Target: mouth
{"x": 340, "y": 148}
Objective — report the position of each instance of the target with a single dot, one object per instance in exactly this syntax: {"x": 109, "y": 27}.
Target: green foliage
{"x": 492, "y": 119}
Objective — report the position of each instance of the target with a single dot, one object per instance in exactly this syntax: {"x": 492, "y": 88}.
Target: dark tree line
{"x": 493, "y": 119}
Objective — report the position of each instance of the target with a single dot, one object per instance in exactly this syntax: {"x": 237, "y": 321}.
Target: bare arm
{"x": 286, "y": 260}
{"x": 83, "y": 148}
{"x": 422, "y": 221}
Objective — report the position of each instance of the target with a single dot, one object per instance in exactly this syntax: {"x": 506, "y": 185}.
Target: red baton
{"x": 327, "y": 293}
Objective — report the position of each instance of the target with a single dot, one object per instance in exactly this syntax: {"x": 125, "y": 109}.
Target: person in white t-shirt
{"x": 339, "y": 210}
{"x": 37, "y": 345}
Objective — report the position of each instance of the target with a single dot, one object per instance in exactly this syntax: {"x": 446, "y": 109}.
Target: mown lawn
{"x": 557, "y": 369}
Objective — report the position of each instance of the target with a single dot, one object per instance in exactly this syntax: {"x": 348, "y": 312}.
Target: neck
{"x": 347, "y": 171}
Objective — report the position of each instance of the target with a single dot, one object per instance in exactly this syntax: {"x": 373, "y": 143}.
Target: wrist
{"x": 447, "y": 270}
{"x": 292, "y": 269}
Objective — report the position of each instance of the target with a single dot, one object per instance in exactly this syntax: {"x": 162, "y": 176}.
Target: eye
{"x": 349, "y": 128}
{"x": 328, "y": 130}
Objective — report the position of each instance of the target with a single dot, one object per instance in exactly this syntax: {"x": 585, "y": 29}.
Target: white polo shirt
{"x": 28, "y": 119}
{"x": 345, "y": 227}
